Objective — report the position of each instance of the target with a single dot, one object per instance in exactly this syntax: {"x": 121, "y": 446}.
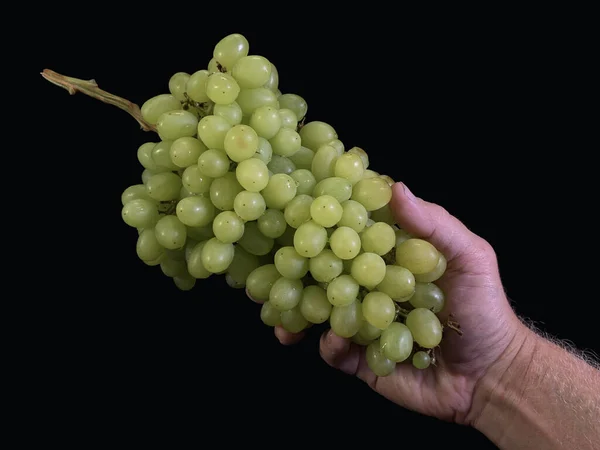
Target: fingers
{"x": 287, "y": 338}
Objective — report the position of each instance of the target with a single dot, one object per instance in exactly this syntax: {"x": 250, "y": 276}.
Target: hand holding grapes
{"x": 475, "y": 297}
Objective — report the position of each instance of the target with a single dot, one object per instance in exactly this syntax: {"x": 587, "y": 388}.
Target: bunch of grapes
{"x": 240, "y": 184}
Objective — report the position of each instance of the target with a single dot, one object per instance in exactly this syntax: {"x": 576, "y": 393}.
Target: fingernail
{"x": 408, "y": 193}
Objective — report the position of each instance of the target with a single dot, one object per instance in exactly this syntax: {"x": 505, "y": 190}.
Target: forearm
{"x": 540, "y": 396}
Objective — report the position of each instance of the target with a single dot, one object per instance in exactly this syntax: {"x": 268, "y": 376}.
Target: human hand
{"x": 473, "y": 294}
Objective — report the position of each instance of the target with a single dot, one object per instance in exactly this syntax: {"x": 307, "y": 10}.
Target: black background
{"x": 482, "y": 117}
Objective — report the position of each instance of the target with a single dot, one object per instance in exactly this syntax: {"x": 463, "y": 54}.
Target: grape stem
{"x": 400, "y": 311}
{"x": 454, "y": 325}
{"x": 90, "y": 88}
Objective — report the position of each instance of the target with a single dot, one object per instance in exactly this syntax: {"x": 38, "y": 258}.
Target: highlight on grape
{"x": 238, "y": 182}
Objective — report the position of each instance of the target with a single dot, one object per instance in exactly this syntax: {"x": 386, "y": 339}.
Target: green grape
{"x": 217, "y": 255}
{"x": 421, "y": 360}
{"x": 389, "y": 180}
{"x": 266, "y": 121}
{"x": 175, "y": 124}
{"x": 281, "y": 164}
{"x": 140, "y": 213}
{"x": 305, "y": 181}
{"x": 364, "y": 157}
{"x": 200, "y": 233}
{"x": 396, "y": 342}
{"x": 294, "y": 102}
{"x": 368, "y": 269}
{"x": 272, "y": 223}
{"x": 360, "y": 340}
{"x": 232, "y": 113}
{"x": 161, "y": 155}
{"x": 194, "y": 262}
{"x": 354, "y": 215}
{"x": 228, "y": 227}
{"x": 177, "y": 84}
{"x": 170, "y": 232}
{"x": 297, "y": 211}
{"x": 254, "y": 242}
{"x": 286, "y": 142}
{"x": 156, "y": 106}
{"x": 273, "y": 82}
{"x": 213, "y": 163}
{"x": 252, "y": 174}
{"x": 264, "y": 152}
{"x": 252, "y": 71}
{"x": 345, "y": 321}
{"x": 401, "y": 236}
{"x": 251, "y": 99}
{"x": 323, "y": 163}
{"x": 212, "y": 131}
{"x": 260, "y": 281}
{"x": 185, "y": 282}
{"x": 163, "y": 186}
{"x": 379, "y": 309}
{"x": 195, "y": 211}
{"x": 429, "y": 296}
{"x": 196, "y": 86}
{"x": 243, "y": 264}
{"x": 343, "y": 290}
{"x": 222, "y": 88}
{"x": 223, "y": 191}
{"x": 425, "y": 327}
{"x": 279, "y": 191}
{"x": 287, "y": 237}
{"x": 293, "y": 320}
{"x": 269, "y": 315}
{"x": 285, "y": 294}
{"x": 337, "y": 187}
{"x": 368, "y": 332}
{"x": 314, "y": 305}
{"x": 350, "y": 167}
{"x": 372, "y": 193}
{"x": 379, "y": 364}
{"x": 147, "y": 246}
{"x": 417, "y": 255}
{"x": 185, "y": 151}
{"x": 436, "y": 273}
{"x": 345, "y": 243}
{"x": 134, "y": 192}
{"x": 288, "y": 119}
{"x": 398, "y": 283}
{"x": 338, "y": 145}
{"x": 249, "y": 205}
{"x": 232, "y": 283}
{"x": 310, "y": 239}
{"x": 315, "y": 134}
{"x": 177, "y": 254}
{"x": 184, "y": 193}
{"x": 290, "y": 264}
{"x": 383, "y": 214}
{"x": 303, "y": 158}
{"x": 325, "y": 266}
{"x": 241, "y": 142}
{"x": 190, "y": 243}
{"x": 230, "y": 49}
{"x": 213, "y": 66}
{"x": 326, "y": 211}
{"x": 173, "y": 268}
{"x": 369, "y": 173}
{"x": 379, "y": 238}
{"x": 155, "y": 262}
{"x": 144, "y": 156}
{"x": 194, "y": 181}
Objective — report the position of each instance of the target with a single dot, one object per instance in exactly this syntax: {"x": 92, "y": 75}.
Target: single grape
{"x": 134, "y": 192}
{"x": 252, "y": 99}
{"x": 368, "y": 332}
{"x": 156, "y": 106}
{"x": 195, "y": 211}
{"x": 230, "y": 49}
{"x": 212, "y": 131}
{"x": 194, "y": 262}
{"x": 324, "y": 161}
{"x": 272, "y": 223}
{"x": 175, "y": 124}
{"x": 293, "y": 321}
{"x": 281, "y": 164}
{"x": 379, "y": 364}
{"x": 241, "y": 142}
{"x": 196, "y": 86}
{"x": 252, "y": 174}
{"x": 396, "y": 342}
{"x": 254, "y": 242}
{"x": 310, "y": 239}
{"x": 269, "y": 315}
{"x": 368, "y": 269}
{"x": 354, "y": 215}
{"x": 379, "y": 238}
{"x": 338, "y": 145}
{"x": 144, "y": 156}
{"x": 337, "y": 187}
{"x": 223, "y": 191}
{"x": 314, "y": 305}
{"x": 147, "y": 247}
{"x": 401, "y": 236}
{"x": 325, "y": 266}
{"x": 170, "y": 232}
{"x": 350, "y": 167}
{"x": 421, "y": 360}
{"x": 384, "y": 214}
{"x": 279, "y": 191}
{"x": 295, "y": 103}
{"x": 266, "y": 121}
{"x": 173, "y": 268}
{"x": 185, "y": 151}
{"x": 232, "y": 283}
{"x": 232, "y": 113}
{"x": 398, "y": 283}
{"x": 161, "y": 156}
{"x": 249, "y": 205}
{"x": 342, "y": 291}
{"x": 302, "y": 159}
{"x": 316, "y": 133}
{"x": 290, "y": 264}
{"x": 297, "y": 211}
{"x": 285, "y": 294}
{"x": 429, "y": 296}
{"x": 417, "y": 255}
{"x": 140, "y": 213}
{"x": 177, "y": 84}
{"x": 372, "y": 193}
{"x": 194, "y": 181}
{"x": 222, "y": 88}
{"x": 288, "y": 119}
{"x": 370, "y": 174}
{"x": 184, "y": 282}
{"x": 364, "y": 157}
{"x": 425, "y": 327}
{"x": 264, "y": 152}
{"x": 260, "y": 281}
{"x": 379, "y": 309}
{"x": 242, "y": 265}
{"x": 228, "y": 227}
{"x": 345, "y": 321}
{"x": 305, "y": 181}
{"x": 213, "y": 163}
{"x": 252, "y": 71}
{"x": 273, "y": 82}
{"x": 345, "y": 243}
{"x": 436, "y": 273}
{"x": 326, "y": 211}
{"x": 216, "y": 255}
{"x": 286, "y": 142}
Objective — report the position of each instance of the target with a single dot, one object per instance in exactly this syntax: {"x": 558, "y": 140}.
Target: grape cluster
{"x": 241, "y": 185}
